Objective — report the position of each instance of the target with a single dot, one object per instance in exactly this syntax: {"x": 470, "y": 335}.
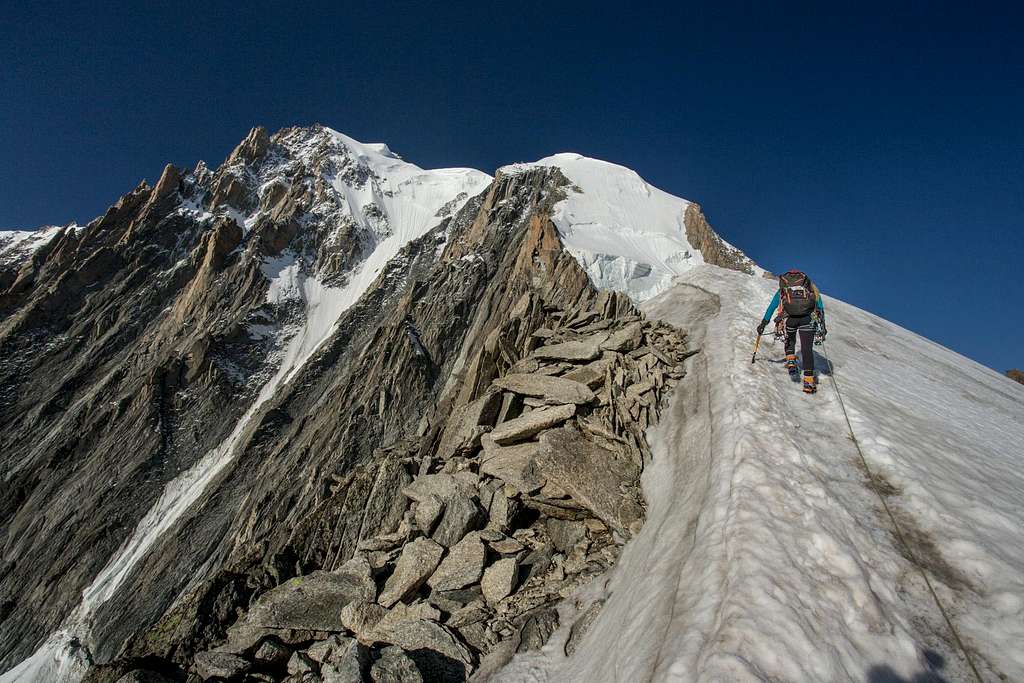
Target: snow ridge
{"x": 765, "y": 555}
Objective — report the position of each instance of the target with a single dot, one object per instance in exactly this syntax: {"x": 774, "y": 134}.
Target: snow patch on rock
{"x": 17, "y": 246}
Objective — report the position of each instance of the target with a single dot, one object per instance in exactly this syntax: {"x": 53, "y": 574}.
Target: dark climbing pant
{"x": 802, "y": 325}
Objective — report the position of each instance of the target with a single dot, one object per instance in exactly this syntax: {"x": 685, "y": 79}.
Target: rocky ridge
{"x": 19, "y": 246}
{"x": 713, "y": 248}
{"x": 531, "y": 493}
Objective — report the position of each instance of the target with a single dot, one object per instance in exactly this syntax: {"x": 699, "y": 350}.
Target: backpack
{"x": 797, "y": 295}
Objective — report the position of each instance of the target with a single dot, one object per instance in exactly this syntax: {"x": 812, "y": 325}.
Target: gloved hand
{"x": 760, "y": 328}
{"x": 821, "y": 328}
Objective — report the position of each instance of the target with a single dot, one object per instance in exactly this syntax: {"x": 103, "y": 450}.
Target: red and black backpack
{"x": 796, "y": 293}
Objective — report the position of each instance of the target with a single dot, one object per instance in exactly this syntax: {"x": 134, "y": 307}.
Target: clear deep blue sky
{"x": 881, "y": 150}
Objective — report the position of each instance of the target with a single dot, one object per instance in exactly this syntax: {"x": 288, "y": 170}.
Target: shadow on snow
{"x": 932, "y": 660}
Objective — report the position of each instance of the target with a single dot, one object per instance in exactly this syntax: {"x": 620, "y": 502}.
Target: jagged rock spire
{"x": 252, "y": 148}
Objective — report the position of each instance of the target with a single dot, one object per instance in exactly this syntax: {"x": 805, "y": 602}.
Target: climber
{"x": 799, "y": 304}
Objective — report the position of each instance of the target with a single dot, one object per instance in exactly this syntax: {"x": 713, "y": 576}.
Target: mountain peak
{"x": 629, "y": 235}
{"x": 252, "y": 147}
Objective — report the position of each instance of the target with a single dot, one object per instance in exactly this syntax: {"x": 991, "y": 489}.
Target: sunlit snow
{"x": 627, "y": 234}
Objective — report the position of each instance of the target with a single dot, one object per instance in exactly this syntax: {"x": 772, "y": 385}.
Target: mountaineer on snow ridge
{"x": 802, "y": 313}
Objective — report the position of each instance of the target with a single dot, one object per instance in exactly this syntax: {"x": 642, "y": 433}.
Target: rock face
{"x": 625, "y": 340}
{"x": 712, "y": 247}
{"x": 416, "y": 635}
{"x": 499, "y": 580}
{"x": 1015, "y": 375}
{"x": 361, "y": 618}
{"x": 575, "y": 350}
{"x": 581, "y": 626}
{"x": 460, "y": 453}
{"x": 341, "y": 659}
{"x": 461, "y": 515}
{"x": 271, "y": 653}
{"x": 463, "y": 566}
{"x": 467, "y": 578}
{"x": 143, "y": 676}
{"x": 471, "y": 579}
{"x": 394, "y": 666}
{"x": 220, "y": 666}
{"x": 513, "y": 465}
{"x": 592, "y": 475}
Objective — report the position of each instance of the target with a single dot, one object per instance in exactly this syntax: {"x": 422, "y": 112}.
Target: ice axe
{"x": 757, "y": 343}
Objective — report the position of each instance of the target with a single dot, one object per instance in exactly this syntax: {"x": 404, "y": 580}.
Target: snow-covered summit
{"x": 354, "y": 205}
{"x": 366, "y": 200}
{"x": 340, "y": 183}
{"x": 628, "y": 235}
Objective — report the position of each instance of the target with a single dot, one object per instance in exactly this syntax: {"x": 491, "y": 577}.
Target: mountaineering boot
{"x": 810, "y": 384}
{"x": 792, "y": 368}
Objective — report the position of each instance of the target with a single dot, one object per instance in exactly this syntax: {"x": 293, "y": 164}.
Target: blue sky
{"x": 879, "y": 149}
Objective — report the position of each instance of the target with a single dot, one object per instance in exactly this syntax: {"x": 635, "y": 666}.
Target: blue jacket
{"x": 818, "y": 305}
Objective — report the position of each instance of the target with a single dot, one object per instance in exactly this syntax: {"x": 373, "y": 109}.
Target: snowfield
{"x": 766, "y": 555}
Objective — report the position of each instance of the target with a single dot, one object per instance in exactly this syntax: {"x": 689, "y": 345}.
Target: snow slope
{"x": 411, "y": 201}
{"x": 627, "y": 234}
{"x": 409, "y": 197}
{"x": 766, "y": 556}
